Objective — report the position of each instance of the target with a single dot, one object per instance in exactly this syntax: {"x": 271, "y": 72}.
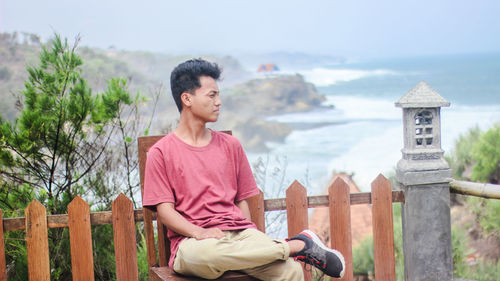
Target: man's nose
{"x": 218, "y": 101}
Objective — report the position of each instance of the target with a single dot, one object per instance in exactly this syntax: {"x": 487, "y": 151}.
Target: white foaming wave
{"x": 371, "y": 156}
{"x": 346, "y": 108}
{"x": 356, "y": 107}
{"x": 326, "y": 77}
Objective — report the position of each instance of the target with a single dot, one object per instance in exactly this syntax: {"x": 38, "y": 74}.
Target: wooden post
{"x": 383, "y": 233}
{"x": 256, "y": 206}
{"x": 163, "y": 244}
{"x": 149, "y": 232}
{"x": 3, "y": 269}
{"x": 37, "y": 243}
{"x": 80, "y": 237}
{"x": 143, "y": 145}
{"x": 296, "y": 208}
{"x": 125, "y": 240}
{"x": 296, "y": 212}
{"x": 340, "y": 223}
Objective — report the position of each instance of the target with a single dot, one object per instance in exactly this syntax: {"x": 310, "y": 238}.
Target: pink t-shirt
{"x": 203, "y": 182}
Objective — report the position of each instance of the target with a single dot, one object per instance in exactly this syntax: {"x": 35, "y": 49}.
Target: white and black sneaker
{"x": 330, "y": 261}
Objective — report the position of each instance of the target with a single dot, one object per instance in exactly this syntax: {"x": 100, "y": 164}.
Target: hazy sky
{"x": 352, "y": 28}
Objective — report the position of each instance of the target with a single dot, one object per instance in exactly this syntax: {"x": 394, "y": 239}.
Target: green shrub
{"x": 142, "y": 257}
{"x": 363, "y": 254}
{"x": 362, "y": 257}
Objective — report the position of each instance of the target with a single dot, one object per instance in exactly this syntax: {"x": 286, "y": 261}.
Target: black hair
{"x": 186, "y": 77}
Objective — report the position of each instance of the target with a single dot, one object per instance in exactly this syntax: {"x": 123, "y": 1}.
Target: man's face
{"x": 205, "y": 101}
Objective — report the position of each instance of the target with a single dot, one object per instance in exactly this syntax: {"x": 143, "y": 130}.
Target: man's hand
{"x": 205, "y": 233}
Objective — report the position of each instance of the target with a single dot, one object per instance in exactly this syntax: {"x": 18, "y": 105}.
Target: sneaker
{"x": 330, "y": 261}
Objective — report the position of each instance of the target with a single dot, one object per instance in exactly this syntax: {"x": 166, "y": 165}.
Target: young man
{"x": 198, "y": 180}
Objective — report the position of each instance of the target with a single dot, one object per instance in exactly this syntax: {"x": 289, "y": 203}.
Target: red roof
{"x": 268, "y": 67}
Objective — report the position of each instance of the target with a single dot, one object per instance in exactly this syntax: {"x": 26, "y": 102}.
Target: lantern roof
{"x": 422, "y": 95}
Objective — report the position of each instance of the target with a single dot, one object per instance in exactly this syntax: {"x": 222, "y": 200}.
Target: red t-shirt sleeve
{"x": 156, "y": 185}
{"x": 247, "y": 187}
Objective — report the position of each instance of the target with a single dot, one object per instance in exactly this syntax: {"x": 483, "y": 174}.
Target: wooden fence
{"x": 123, "y": 217}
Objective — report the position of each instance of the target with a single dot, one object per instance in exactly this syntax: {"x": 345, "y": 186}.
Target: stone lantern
{"x": 423, "y": 174}
{"x": 422, "y": 136}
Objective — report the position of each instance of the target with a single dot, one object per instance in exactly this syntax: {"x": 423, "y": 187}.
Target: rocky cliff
{"x": 246, "y": 106}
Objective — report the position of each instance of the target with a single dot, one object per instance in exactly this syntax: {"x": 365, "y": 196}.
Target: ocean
{"x": 360, "y": 131}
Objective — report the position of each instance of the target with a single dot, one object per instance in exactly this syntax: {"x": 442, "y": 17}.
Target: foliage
{"x": 142, "y": 258}
{"x": 67, "y": 141}
{"x": 476, "y": 157}
{"x": 363, "y": 254}
{"x": 398, "y": 241}
{"x": 479, "y": 152}
{"x": 461, "y": 157}
{"x": 480, "y": 270}
{"x": 270, "y": 175}
{"x": 487, "y": 155}
{"x": 459, "y": 250}
{"x": 487, "y": 213}
{"x": 363, "y": 257}
{"x": 104, "y": 252}
{"x": 51, "y": 146}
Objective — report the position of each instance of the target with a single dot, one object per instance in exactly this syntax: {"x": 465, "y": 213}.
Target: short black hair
{"x": 186, "y": 77}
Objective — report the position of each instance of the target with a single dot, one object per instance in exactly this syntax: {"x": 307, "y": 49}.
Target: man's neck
{"x": 193, "y": 133}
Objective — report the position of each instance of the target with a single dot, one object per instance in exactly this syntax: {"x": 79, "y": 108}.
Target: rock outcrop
{"x": 245, "y": 107}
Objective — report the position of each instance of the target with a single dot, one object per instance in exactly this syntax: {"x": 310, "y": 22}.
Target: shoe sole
{"x": 318, "y": 241}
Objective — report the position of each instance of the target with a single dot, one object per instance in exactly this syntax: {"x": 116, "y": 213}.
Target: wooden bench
{"x": 296, "y": 204}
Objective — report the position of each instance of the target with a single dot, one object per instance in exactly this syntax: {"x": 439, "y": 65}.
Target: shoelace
{"x": 308, "y": 258}
{"x": 309, "y": 268}
{"x": 304, "y": 263}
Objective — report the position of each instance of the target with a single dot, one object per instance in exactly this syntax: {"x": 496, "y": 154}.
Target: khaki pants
{"x": 249, "y": 250}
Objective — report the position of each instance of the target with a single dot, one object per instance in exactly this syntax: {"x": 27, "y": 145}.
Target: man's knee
{"x": 196, "y": 257}
{"x": 197, "y": 265}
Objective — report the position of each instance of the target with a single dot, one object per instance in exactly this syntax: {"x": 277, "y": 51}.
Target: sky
{"x": 349, "y": 28}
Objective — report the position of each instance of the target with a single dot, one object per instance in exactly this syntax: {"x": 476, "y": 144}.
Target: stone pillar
{"x": 423, "y": 175}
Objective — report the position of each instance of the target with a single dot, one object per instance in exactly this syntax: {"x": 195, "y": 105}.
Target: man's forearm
{"x": 177, "y": 223}
{"x": 243, "y": 206}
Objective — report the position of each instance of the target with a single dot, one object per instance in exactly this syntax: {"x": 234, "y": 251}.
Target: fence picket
{"x": 383, "y": 236}
{"x": 340, "y": 223}
{"x": 3, "y": 268}
{"x": 80, "y": 237}
{"x": 296, "y": 208}
{"x": 296, "y": 212}
{"x": 124, "y": 238}
{"x": 37, "y": 243}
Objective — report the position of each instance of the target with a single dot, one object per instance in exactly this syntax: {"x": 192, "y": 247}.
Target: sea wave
{"x": 326, "y": 77}
{"x": 345, "y": 109}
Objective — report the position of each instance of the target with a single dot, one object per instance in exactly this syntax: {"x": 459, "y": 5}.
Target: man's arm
{"x": 243, "y": 205}
{"x": 177, "y": 223}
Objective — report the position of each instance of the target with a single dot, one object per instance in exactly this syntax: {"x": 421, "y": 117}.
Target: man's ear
{"x": 186, "y": 99}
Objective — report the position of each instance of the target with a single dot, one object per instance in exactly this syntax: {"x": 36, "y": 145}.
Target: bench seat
{"x": 166, "y": 273}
